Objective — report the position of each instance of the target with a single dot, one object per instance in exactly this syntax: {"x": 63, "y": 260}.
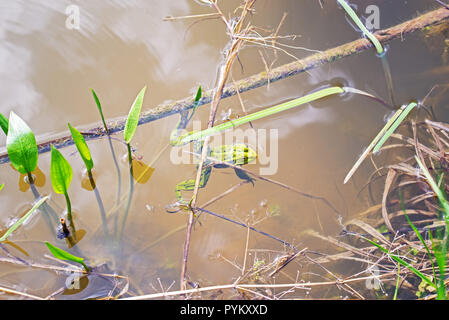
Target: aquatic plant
{"x": 128, "y": 134}
{"x": 86, "y": 156}
{"x": 441, "y": 250}
{"x": 4, "y": 123}
{"x": 64, "y": 255}
{"x": 383, "y": 135}
{"x": 61, "y": 176}
{"x": 361, "y": 26}
{"x": 21, "y": 146}
{"x": 19, "y": 222}
{"x": 100, "y": 109}
{"x": 114, "y": 157}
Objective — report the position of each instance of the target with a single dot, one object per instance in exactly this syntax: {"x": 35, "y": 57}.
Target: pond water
{"x": 47, "y": 68}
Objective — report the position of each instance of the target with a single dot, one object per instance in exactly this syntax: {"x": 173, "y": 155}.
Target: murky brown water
{"x": 46, "y": 73}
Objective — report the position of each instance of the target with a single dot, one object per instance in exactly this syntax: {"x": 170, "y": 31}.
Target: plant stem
{"x": 117, "y": 168}
{"x": 130, "y": 195}
{"x": 100, "y": 203}
{"x": 69, "y": 215}
{"x": 45, "y": 207}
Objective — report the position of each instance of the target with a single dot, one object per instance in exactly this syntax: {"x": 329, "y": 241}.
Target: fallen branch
{"x": 285, "y": 71}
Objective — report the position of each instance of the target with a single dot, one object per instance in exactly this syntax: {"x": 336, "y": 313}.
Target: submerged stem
{"x": 100, "y": 203}
{"x": 69, "y": 215}
{"x": 131, "y": 192}
{"x": 117, "y": 168}
{"x": 48, "y": 211}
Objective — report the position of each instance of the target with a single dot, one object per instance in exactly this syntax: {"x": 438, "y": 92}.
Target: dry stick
{"x": 299, "y": 285}
{"x": 224, "y": 70}
{"x": 285, "y": 71}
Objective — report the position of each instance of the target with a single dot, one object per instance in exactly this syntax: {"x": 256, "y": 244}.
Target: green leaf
{"x": 1, "y": 186}
{"x": 64, "y": 255}
{"x": 196, "y": 103}
{"x": 97, "y": 101}
{"x": 133, "y": 116}
{"x": 21, "y": 145}
{"x": 361, "y": 26}
{"x": 405, "y": 264}
{"x": 82, "y": 147}
{"x": 402, "y": 113}
{"x": 60, "y": 172}
{"x": 382, "y": 136}
{"x": 4, "y": 123}
{"x": 23, "y": 219}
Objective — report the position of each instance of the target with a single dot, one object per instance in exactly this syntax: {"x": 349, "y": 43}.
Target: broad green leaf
{"x": 1, "y": 186}
{"x": 64, "y": 255}
{"x": 133, "y": 116}
{"x": 97, "y": 101}
{"x": 82, "y": 147}
{"x": 4, "y": 123}
{"x": 23, "y": 219}
{"x": 60, "y": 172}
{"x": 21, "y": 145}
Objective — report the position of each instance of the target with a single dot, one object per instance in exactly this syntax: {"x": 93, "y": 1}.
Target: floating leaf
{"x": 4, "y": 123}
{"x": 141, "y": 172}
{"x": 97, "y": 101}
{"x": 39, "y": 179}
{"x": 23, "y": 219}
{"x": 60, "y": 172}
{"x": 21, "y": 145}
{"x": 133, "y": 116}
{"x": 64, "y": 255}
{"x": 82, "y": 147}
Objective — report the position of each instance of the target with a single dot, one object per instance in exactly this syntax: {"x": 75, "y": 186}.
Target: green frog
{"x": 236, "y": 154}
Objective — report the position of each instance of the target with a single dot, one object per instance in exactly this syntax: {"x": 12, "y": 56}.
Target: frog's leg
{"x": 189, "y": 185}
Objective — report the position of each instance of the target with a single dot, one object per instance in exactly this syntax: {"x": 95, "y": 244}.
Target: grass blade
{"x": 23, "y": 219}
{"x": 192, "y": 136}
{"x": 361, "y": 26}
{"x": 435, "y": 188}
{"x": 397, "y": 283}
{"x": 402, "y": 115}
{"x": 418, "y": 234}
{"x": 440, "y": 255}
{"x": 375, "y": 144}
{"x": 404, "y": 263}
{"x": 133, "y": 116}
